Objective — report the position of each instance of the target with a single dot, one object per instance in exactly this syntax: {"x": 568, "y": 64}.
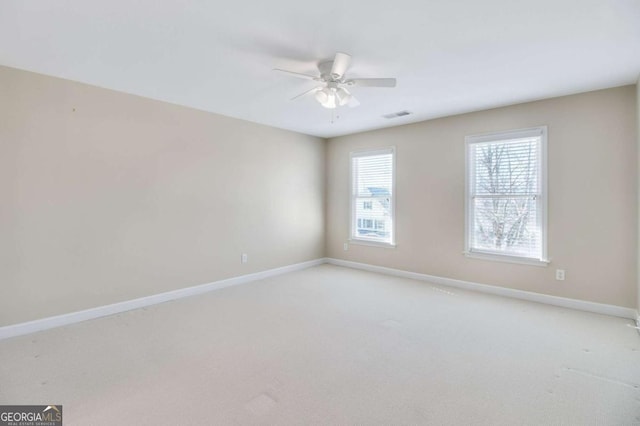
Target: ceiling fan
{"x": 333, "y": 92}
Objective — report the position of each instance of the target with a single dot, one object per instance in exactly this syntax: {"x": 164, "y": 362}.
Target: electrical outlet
{"x": 244, "y": 258}
{"x": 560, "y": 274}
{"x": 346, "y": 246}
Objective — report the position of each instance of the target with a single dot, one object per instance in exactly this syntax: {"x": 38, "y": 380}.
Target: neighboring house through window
{"x": 372, "y": 192}
{"x": 506, "y": 195}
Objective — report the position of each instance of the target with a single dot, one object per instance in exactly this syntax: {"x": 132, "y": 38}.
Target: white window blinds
{"x": 372, "y": 203}
{"x": 506, "y": 199}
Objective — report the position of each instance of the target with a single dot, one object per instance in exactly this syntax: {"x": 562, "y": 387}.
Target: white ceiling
{"x": 449, "y": 56}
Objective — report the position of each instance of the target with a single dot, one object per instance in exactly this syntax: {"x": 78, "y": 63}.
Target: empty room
{"x": 342, "y": 213}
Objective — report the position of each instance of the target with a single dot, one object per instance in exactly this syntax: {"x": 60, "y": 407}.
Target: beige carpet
{"x": 330, "y": 345}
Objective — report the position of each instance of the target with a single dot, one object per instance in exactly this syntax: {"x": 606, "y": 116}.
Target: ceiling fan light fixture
{"x": 327, "y": 98}
{"x": 322, "y": 96}
{"x": 343, "y": 96}
{"x": 331, "y": 102}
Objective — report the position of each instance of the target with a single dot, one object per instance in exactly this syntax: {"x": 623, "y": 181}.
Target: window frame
{"x": 353, "y": 238}
{"x": 542, "y": 206}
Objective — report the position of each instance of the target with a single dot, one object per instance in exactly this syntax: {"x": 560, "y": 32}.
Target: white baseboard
{"x": 115, "y": 308}
{"x": 582, "y": 305}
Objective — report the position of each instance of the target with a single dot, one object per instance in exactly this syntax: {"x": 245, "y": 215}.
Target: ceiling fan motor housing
{"x": 325, "y": 71}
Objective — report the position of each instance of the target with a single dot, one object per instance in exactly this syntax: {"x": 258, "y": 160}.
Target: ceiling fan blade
{"x": 297, "y": 74}
{"x": 372, "y": 82}
{"x": 340, "y": 64}
{"x": 306, "y": 93}
{"x": 353, "y": 102}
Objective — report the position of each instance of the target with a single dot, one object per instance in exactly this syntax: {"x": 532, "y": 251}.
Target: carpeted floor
{"x": 331, "y": 345}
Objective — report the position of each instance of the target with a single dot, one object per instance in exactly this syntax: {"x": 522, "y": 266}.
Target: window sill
{"x": 371, "y": 243}
{"x": 507, "y": 258}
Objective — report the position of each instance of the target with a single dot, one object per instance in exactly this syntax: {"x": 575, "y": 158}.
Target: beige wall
{"x": 107, "y": 197}
{"x": 592, "y": 164}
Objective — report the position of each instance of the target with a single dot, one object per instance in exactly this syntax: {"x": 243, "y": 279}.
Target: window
{"x": 372, "y": 196}
{"x": 506, "y": 196}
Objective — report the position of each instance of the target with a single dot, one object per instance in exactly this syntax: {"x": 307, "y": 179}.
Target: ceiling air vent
{"x": 396, "y": 114}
